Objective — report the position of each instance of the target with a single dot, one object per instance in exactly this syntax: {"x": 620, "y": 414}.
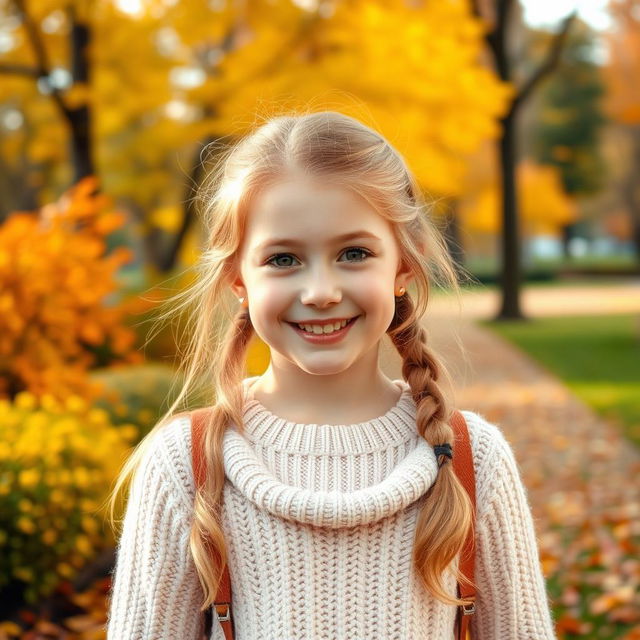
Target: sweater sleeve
{"x": 155, "y": 589}
{"x": 512, "y": 600}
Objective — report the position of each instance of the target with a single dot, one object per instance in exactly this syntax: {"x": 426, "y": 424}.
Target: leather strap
{"x": 462, "y": 466}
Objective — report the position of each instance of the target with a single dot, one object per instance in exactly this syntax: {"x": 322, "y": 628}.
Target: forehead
{"x": 311, "y": 212}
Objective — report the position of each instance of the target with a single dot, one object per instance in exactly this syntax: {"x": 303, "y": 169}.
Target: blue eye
{"x": 365, "y": 252}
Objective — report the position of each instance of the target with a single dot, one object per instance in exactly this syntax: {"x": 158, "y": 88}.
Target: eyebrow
{"x": 297, "y": 243}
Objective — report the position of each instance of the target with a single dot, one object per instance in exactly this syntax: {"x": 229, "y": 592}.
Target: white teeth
{"x": 325, "y": 328}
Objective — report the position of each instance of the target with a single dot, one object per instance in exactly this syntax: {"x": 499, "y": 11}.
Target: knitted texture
{"x": 320, "y": 522}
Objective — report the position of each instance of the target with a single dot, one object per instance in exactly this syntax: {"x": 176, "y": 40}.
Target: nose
{"x": 322, "y": 288}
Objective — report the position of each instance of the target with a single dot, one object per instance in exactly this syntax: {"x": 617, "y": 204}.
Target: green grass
{"x": 598, "y": 357}
{"x": 557, "y": 283}
{"x": 491, "y": 264}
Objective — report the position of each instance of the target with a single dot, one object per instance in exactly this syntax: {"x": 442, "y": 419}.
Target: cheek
{"x": 268, "y": 297}
{"x": 374, "y": 292}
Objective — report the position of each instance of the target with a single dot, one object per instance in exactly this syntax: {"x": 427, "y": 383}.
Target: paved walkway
{"x": 575, "y": 465}
{"x": 541, "y": 300}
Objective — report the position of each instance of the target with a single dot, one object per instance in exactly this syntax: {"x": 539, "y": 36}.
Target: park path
{"x": 575, "y": 465}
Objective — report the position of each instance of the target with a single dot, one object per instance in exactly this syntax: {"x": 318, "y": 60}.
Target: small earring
{"x": 242, "y": 302}
{"x": 400, "y": 292}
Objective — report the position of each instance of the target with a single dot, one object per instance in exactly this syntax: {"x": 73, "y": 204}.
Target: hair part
{"x": 327, "y": 144}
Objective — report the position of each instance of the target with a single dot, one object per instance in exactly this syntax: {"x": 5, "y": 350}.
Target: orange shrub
{"x": 55, "y": 276}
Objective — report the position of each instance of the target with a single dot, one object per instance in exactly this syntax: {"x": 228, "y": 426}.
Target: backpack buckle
{"x": 468, "y": 611}
{"x": 222, "y": 611}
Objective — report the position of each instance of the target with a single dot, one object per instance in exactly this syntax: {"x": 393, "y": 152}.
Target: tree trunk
{"x": 80, "y": 118}
{"x": 510, "y": 249}
{"x": 496, "y": 39}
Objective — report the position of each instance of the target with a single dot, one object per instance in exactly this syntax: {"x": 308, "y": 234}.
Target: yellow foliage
{"x": 167, "y": 218}
{"x": 431, "y": 95}
{"x": 77, "y": 95}
{"x": 621, "y": 73}
{"x": 412, "y": 69}
{"x": 258, "y": 357}
{"x": 544, "y": 206}
{"x": 53, "y": 307}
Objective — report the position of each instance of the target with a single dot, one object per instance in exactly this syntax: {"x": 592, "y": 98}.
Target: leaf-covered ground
{"x": 67, "y": 615}
{"x": 580, "y": 472}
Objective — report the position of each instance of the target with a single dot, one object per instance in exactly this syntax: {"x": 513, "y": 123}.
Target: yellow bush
{"x": 56, "y": 275}
{"x": 52, "y": 510}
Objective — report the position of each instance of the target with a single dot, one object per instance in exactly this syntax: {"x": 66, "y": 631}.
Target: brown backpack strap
{"x": 463, "y": 467}
{"x": 222, "y": 603}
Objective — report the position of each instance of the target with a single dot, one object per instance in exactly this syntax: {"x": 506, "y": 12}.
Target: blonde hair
{"x": 331, "y": 144}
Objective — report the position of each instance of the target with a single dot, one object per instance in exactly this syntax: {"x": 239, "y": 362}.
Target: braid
{"x": 421, "y": 371}
{"x": 446, "y": 517}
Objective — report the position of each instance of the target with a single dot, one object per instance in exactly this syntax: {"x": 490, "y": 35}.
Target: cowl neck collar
{"x": 410, "y": 479}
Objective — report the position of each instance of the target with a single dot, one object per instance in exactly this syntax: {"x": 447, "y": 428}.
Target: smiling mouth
{"x": 349, "y": 322}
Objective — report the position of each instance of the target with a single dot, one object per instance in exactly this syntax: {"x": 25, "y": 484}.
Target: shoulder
{"x": 167, "y": 457}
{"x": 493, "y": 457}
{"x": 486, "y": 437}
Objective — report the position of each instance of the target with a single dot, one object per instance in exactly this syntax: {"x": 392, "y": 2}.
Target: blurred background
{"x": 521, "y": 121}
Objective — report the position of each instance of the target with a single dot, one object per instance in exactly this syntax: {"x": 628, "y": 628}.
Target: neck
{"x": 342, "y": 398}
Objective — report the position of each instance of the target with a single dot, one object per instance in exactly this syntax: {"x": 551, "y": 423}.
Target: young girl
{"x": 323, "y": 495}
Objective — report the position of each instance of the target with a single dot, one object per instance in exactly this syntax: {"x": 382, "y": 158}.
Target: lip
{"x": 324, "y": 338}
{"x": 324, "y": 320}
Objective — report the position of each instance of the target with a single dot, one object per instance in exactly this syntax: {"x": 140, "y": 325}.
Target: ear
{"x": 238, "y": 288}
{"x": 404, "y": 276}
{"x": 237, "y": 285}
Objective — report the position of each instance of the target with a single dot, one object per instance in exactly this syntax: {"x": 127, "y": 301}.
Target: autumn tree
{"x": 566, "y": 129}
{"x": 622, "y": 76}
{"x": 499, "y": 25}
{"x": 162, "y": 83}
{"x": 70, "y": 104}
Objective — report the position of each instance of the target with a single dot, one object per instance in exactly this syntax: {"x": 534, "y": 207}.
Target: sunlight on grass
{"x": 598, "y": 357}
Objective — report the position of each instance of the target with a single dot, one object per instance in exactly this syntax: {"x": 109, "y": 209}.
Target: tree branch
{"x": 497, "y": 39}
{"x": 42, "y": 68}
{"x": 34, "y": 37}
{"x": 20, "y": 70}
{"x": 549, "y": 64}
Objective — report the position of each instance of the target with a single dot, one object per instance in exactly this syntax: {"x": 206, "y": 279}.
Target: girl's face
{"x": 297, "y": 265}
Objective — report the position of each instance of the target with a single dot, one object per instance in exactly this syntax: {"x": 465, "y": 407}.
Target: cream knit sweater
{"x": 320, "y": 521}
